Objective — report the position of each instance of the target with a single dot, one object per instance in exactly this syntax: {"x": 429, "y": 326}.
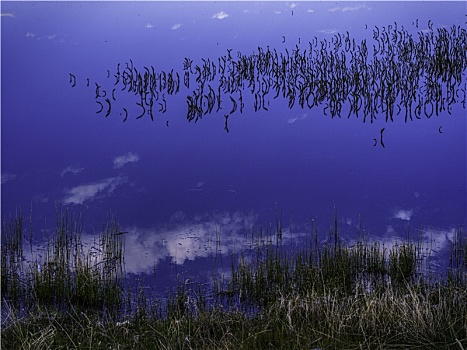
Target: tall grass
{"x": 364, "y": 296}
{"x": 334, "y": 268}
{"x": 67, "y": 273}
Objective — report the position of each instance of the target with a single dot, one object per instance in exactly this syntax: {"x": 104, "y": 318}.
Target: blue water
{"x": 172, "y": 188}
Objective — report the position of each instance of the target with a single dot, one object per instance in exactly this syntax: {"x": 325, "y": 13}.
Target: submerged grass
{"x": 332, "y": 296}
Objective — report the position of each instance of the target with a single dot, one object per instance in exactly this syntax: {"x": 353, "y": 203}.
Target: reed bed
{"x": 66, "y": 273}
{"x": 332, "y": 296}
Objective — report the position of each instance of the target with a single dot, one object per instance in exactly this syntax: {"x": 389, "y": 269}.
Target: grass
{"x": 66, "y": 274}
{"x": 332, "y": 296}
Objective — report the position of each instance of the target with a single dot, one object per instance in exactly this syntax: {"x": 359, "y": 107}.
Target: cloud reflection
{"x": 185, "y": 239}
{"x": 298, "y": 117}
{"x": 71, "y": 169}
{"x": 82, "y": 193}
{"x": 327, "y": 31}
{"x": 220, "y": 15}
{"x": 130, "y": 157}
{"x": 403, "y": 214}
{"x": 348, "y": 8}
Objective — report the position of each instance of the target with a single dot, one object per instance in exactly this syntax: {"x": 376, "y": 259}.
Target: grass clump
{"x": 332, "y": 296}
{"x": 66, "y": 274}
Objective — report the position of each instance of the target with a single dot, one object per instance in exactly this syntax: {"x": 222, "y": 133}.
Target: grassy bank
{"x": 363, "y": 296}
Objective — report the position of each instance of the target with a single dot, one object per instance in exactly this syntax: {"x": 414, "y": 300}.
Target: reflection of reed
{"x": 420, "y": 76}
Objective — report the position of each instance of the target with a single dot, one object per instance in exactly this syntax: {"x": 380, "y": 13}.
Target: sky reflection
{"x": 190, "y": 193}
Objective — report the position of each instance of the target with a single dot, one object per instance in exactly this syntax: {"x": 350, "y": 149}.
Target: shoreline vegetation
{"x": 330, "y": 296}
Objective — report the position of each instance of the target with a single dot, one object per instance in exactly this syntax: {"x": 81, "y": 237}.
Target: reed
{"x": 325, "y": 296}
{"x": 67, "y": 274}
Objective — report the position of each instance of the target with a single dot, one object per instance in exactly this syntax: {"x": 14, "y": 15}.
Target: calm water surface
{"x": 188, "y": 194}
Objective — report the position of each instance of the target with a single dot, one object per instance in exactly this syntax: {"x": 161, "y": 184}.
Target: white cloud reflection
{"x": 82, "y": 193}
{"x": 348, "y": 8}
{"x": 433, "y": 245}
{"x": 298, "y": 117}
{"x": 130, "y": 157}
{"x": 432, "y": 241}
{"x": 185, "y": 239}
{"x": 71, "y": 169}
{"x": 327, "y": 31}
{"x": 220, "y": 15}
{"x": 403, "y": 214}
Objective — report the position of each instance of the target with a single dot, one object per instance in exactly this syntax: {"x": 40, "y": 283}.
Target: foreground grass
{"x": 384, "y": 321}
{"x": 330, "y": 297}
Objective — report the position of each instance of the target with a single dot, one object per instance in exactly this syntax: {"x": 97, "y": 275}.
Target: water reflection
{"x": 191, "y": 241}
{"x": 187, "y": 241}
{"x": 396, "y": 72}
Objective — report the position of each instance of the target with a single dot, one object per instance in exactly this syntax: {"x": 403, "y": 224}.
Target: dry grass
{"x": 327, "y": 297}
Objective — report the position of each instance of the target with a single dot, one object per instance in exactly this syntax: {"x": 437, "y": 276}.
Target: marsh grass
{"x": 364, "y": 296}
{"x": 67, "y": 273}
